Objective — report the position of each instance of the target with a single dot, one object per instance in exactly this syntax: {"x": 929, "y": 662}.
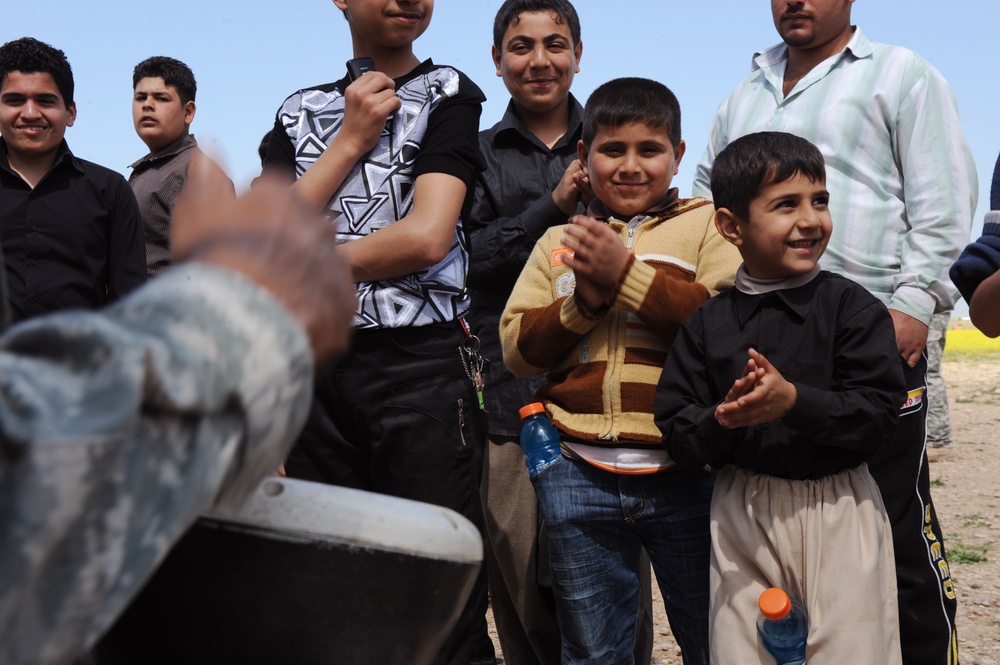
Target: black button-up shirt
{"x": 830, "y": 337}
{"x": 74, "y": 241}
{"x": 512, "y": 209}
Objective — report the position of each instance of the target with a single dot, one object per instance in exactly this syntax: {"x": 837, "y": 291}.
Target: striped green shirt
{"x": 902, "y": 180}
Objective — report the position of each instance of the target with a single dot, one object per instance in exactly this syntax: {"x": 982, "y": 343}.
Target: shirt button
{"x": 551, "y": 156}
{"x": 34, "y": 228}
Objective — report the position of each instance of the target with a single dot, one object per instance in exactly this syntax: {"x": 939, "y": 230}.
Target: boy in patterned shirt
{"x": 396, "y": 151}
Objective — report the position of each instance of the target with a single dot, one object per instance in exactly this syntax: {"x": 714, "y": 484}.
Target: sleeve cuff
{"x": 915, "y": 302}
{"x": 808, "y": 409}
{"x": 257, "y": 340}
{"x": 632, "y": 287}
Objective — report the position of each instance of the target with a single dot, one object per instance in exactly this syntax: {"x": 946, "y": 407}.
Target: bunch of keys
{"x": 474, "y": 363}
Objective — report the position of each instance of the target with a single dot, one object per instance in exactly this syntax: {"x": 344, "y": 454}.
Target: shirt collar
{"x": 185, "y": 142}
{"x": 859, "y": 46}
{"x": 63, "y": 155}
{"x": 511, "y": 123}
{"x": 795, "y": 292}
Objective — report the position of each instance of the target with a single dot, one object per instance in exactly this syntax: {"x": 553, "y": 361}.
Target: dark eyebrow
{"x": 42, "y": 97}
{"x": 554, "y": 37}
{"x": 790, "y": 196}
{"x": 519, "y": 39}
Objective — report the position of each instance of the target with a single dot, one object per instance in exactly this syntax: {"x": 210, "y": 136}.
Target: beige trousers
{"x": 826, "y": 542}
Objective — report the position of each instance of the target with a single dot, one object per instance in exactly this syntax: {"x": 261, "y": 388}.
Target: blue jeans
{"x": 598, "y": 522}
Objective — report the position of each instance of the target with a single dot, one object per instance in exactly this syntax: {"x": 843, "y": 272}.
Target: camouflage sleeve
{"x": 118, "y": 429}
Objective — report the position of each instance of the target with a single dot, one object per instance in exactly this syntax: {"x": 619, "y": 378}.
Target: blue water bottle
{"x": 539, "y": 438}
{"x": 783, "y": 627}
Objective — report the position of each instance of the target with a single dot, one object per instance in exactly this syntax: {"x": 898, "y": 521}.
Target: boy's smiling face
{"x": 631, "y": 166}
{"x": 788, "y": 231}
{"x": 33, "y": 115}
{"x": 538, "y": 60}
{"x": 158, "y": 114}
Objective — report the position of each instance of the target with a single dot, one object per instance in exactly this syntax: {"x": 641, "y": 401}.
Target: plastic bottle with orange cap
{"x": 783, "y": 626}
{"x": 539, "y": 438}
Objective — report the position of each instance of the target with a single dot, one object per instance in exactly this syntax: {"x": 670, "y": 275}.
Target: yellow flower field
{"x": 967, "y": 343}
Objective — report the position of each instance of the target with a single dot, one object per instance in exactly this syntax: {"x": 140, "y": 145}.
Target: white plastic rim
{"x": 355, "y": 517}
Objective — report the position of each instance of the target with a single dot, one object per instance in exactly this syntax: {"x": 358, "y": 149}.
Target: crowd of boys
{"x": 730, "y": 413}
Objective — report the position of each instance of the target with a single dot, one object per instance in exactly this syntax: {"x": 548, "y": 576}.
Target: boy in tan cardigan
{"x": 596, "y": 308}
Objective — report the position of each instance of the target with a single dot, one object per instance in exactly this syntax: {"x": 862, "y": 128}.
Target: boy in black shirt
{"x": 816, "y": 393}
{"x": 390, "y": 159}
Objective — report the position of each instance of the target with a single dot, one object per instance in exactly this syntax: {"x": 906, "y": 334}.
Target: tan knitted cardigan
{"x": 602, "y": 373}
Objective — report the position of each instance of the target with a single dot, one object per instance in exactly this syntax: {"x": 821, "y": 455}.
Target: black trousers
{"x": 927, "y": 600}
{"x": 399, "y": 416}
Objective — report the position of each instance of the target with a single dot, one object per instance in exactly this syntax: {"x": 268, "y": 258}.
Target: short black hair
{"x": 173, "y": 72}
{"x": 29, "y": 56}
{"x": 265, "y": 141}
{"x": 511, "y": 10}
{"x": 631, "y": 99}
{"x": 752, "y": 162}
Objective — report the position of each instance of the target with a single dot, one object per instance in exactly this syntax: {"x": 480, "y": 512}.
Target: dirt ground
{"x": 966, "y": 493}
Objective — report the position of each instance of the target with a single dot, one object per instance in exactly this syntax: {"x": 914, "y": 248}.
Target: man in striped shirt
{"x": 902, "y": 193}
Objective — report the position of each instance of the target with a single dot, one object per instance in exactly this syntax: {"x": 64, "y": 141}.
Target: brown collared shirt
{"x": 156, "y": 181}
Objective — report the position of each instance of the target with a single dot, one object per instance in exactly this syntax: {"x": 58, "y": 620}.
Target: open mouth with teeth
{"x": 804, "y": 244}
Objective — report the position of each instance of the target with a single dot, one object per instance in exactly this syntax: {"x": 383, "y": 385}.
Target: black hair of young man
{"x": 511, "y": 9}
{"x": 29, "y": 56}
{"x": 625, "y": 100}
{"x": 754, "y": 161}
{"x": 172, "y": 71}
{"x": 265, "y": 141}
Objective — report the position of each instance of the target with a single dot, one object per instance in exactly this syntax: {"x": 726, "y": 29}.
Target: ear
{"x": 341, "y": 5}
{"x": 578, "y": 53}
{"x": 71, "y": 113}
{"x": 728, "y": 225}
{"x": 189, "y": 111}
{"x": 679, "y": 151}
{"x": 497, "y": 59}
{"x": 581, "y": 152}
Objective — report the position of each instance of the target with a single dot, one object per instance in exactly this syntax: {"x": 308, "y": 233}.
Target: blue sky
{"x": 248, "y": 56}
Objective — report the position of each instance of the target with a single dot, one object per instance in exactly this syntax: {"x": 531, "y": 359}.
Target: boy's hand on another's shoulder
{"x": 572, "y": 188}
{"x": 759, "y": 396}
{"x": 598, "y": 260}
{"x": 582, "y": 180}
{"x": 368, "y": 102}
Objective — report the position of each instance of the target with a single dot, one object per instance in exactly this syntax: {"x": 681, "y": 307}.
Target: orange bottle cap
{"x": 774, "y": 604}
{"x": 531, "y": 409}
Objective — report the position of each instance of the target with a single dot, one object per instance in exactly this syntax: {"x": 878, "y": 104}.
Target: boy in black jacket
{"x": 794, "y": 504}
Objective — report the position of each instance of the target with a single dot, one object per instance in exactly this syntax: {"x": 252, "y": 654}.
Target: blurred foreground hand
{"x": 269, "y": 236}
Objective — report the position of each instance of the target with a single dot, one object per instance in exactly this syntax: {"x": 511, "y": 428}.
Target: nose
{"x": 539, "y": 57}
{"x": 30, "y": 109}
{"x": 810, "y": 218}
{"x": 629, "y": 164}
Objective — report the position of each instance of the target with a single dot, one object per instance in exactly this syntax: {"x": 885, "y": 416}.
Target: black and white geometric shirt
{"x": 434, "y": 131}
